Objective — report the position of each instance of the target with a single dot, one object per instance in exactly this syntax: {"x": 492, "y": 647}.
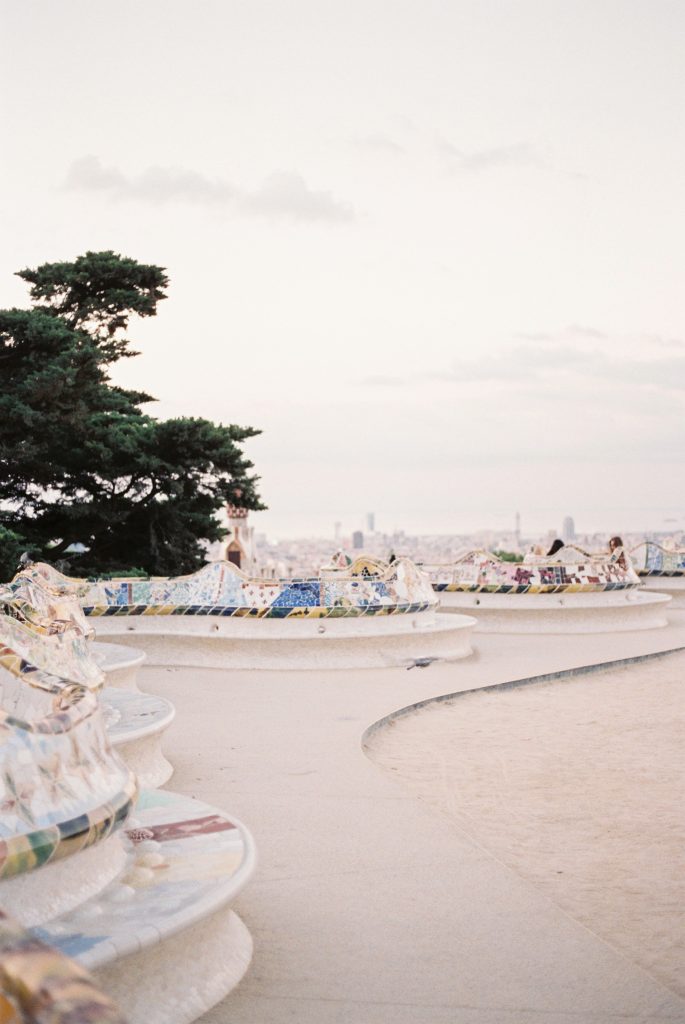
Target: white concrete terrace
{"x": 369, "y": 907}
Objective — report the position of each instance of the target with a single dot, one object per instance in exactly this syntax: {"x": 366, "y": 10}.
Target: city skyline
{"x": 537, "y": 524}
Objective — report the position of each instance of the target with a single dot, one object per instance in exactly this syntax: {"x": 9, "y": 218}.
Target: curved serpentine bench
{"x": 573, "y": 593}
{"x": 126, "y": 899}
{"x": 64, "y": 790}
{"x": 661, "y": 569}
{"x": 39, "y": 985}
{"x": 119, "y": 663}
{"x": 162, "y": 939}
{"x": 49, "y": 604}
{"x": 135, "y": 722}
{"x": 220, "y": 617}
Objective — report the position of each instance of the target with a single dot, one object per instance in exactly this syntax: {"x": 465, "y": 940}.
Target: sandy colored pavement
{"x": 579, "y": 786}
{"x": 368, "y": 905}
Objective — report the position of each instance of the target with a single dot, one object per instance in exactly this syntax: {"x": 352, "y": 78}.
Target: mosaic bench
{"x": 135, "y": 725}
{"x": 134, "y": 722}
{"x": 64, "y": 790}
{"x": 661, "y": 569}
{"x": 120, "y": 664}
{"x": 186, "y": 862}
{"x": 573, "y": 593}
{"x": 220, "y": 617}
{"x": 50, "y": 603}
{"x": 39, "y": 985}
{"x": 124, "y": 896}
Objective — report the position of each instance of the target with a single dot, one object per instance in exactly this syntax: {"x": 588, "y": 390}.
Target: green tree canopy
{"x": 81, "y": 462}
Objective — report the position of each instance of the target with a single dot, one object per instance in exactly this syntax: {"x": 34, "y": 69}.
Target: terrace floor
{"x": 370, "y": 905}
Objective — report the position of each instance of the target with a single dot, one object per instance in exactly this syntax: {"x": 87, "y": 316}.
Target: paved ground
{"x": 578, "y": 785}
{"x": 369, "y": 906}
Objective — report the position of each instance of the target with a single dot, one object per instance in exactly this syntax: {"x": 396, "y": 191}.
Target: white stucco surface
{"x": 179, "y": 978}
{"x": 313, "y": 644}
{"x": 369, "y": 906}
{"x": 674, "y": 586}
{"x": 120, "y": 663}
{"x": 611, "y": 611}
{"x": 37, "y": 896}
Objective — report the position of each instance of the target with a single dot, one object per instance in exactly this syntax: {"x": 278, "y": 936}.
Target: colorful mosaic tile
{"x": 480, "y": 571}
{"x": 46, "y": 605}
{"x": 187, "y": 861}
{"x": 37, "y": 983}
{"x": 219, "y": 588}
{"x": 651, "y": 559}
{"x": 66, "y": 654}
{"x": 62, "y": 787}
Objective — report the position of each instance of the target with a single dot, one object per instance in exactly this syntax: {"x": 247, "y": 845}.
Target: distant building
{"x": 240, "y": 541}
{"x": 371, "y": 522}
{"x": 337, "y": 531}
{"x": 568, "y": 530}
{"x": 357, "y": 540}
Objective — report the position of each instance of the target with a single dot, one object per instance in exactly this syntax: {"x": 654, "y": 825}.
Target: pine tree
{"x": 81, "y": 462}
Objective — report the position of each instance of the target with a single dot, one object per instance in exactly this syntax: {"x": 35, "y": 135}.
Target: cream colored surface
{"x": 368, "y": 906}
{"x": 120, "y": 664}
{"x": 145, "y": 757}
{"x": 672, "y": 585}
{"x": 611, "y": 611}
{"x": 178, "y": 978}
{"x": 579, "y": 786}
{"x": 37, "y": 896}
{"x": 329, "y": 643}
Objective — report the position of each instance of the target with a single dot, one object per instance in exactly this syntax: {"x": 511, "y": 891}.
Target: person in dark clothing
{"x": 557, "y": 545}
{"x": 616, "y": 545}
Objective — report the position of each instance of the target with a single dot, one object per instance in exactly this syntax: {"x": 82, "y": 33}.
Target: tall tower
{"x": 517, "y": 528}
{"x": 371, "y": 522}
{"x": 240, "y": 541}
{"x": 568, "y": 530}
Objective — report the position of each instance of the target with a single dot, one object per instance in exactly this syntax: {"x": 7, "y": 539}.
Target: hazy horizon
{"x": 537, "y": 525}
{"x": 434, "y": 250}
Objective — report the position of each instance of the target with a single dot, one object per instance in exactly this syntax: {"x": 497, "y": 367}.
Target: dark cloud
{"x": 284, "y": 195}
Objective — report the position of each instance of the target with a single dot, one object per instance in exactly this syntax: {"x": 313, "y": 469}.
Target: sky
{"x": 434, "y": 250}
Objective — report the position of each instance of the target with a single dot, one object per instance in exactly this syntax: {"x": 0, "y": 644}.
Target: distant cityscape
{"x": 292, "y": 557}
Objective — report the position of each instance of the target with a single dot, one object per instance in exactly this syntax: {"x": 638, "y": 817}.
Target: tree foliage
{"x": 508, "y": 556}
{"x": 81, "y": 462}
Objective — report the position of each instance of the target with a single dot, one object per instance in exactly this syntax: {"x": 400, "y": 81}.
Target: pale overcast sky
{"x": 433, "y": 249}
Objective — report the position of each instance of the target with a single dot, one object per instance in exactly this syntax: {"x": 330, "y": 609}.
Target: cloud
{"x": 382, "y": 381}
{"x": 379, "y": 143}
{"x": 619, "y": 368}
{"x": 571, "y": 333}
{"x": 661, "y": 342}
{"x": 518, "y": 154}
{"x": 524, "y": 362}
{"x": 283, "y": 195}
{"x": 288, "y": 195}
{"x": 543, "y": 363}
